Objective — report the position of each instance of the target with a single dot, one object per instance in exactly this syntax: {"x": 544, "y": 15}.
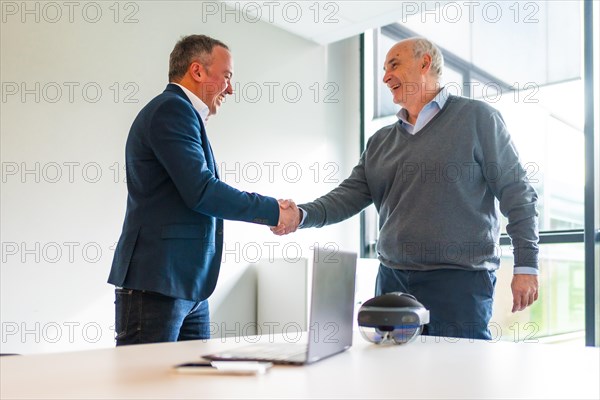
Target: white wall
{"x": 62, "y": 149}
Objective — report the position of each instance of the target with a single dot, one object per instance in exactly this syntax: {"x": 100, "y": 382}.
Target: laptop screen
{"x": 332, "y": 302}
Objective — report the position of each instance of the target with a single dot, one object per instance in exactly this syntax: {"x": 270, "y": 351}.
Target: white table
{"x": 427, "y": 368}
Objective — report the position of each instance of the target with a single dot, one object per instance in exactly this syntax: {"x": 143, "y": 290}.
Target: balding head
{"x": 420, "y": 47}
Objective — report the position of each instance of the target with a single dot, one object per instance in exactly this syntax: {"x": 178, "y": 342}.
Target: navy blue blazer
{"x": 172, "y": 237}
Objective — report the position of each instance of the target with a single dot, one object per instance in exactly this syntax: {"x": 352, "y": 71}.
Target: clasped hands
{"x": 289, "y": 218}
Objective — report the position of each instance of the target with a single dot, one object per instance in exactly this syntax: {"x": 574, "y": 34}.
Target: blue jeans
{"x": 459, "y": 302}
{"x": 148, "y": 317}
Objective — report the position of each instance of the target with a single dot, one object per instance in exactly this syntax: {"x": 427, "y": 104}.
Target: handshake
{"x": 290, "y": 217}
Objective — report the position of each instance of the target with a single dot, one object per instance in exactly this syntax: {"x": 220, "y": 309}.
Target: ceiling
{"x": 324, "y": 21}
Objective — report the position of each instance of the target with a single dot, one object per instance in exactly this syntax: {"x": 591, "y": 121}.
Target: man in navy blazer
{"x": 168, "y": 257}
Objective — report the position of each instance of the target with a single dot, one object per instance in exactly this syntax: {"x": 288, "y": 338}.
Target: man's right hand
{"x": 289, "y": 218}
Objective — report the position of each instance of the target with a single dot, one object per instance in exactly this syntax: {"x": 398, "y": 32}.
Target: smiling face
{"x": 214, "y": 81}
{"x": 405, "y": 74}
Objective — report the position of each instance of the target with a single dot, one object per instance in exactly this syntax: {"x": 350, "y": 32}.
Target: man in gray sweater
{"x": 434, "y": 177}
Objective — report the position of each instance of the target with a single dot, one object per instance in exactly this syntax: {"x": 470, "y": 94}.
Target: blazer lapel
{"x": 214, "y": 163}
{"x": 208, "y": 153}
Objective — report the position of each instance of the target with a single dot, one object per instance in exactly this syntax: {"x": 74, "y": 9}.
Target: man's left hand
{"x": 525, "y": 291}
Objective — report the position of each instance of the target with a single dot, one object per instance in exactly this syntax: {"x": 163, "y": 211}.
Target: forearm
{"x": 519, "y": 204}
{"x": 524, "y": 238}
{"x": 341, "y": 203}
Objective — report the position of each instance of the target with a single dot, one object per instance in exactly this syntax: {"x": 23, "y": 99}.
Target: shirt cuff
{"x": 526, "y": 271}
{"x": 303, "y": 217}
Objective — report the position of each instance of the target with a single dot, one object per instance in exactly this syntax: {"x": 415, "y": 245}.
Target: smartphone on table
{"x": 224, "y": 367}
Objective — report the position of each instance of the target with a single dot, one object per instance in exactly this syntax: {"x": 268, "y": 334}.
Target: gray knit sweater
{"x": 436, "y": 192}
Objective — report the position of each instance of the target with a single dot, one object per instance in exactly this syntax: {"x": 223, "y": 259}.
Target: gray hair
{"x": 422, "y": 46}
{"x": 189, "y": 49}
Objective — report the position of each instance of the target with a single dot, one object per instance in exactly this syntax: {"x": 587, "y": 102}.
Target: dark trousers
{"x": 459, "y": 302}
{"x": 147, "y": 317}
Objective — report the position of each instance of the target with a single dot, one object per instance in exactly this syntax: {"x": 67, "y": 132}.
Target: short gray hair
{"x": 422, "y": 46}
{"x": 189, "y": 49}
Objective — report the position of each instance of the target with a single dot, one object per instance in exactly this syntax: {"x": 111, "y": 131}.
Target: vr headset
{"x": 395, "y": 317}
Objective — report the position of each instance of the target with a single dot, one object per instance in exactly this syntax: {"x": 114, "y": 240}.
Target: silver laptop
{"x": 331, "y": 316}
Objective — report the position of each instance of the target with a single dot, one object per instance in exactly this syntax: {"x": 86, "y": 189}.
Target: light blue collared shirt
{"x": 426, "y": 114}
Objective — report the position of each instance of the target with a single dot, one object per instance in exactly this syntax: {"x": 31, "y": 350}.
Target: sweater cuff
{"x": 526, "y": 271}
